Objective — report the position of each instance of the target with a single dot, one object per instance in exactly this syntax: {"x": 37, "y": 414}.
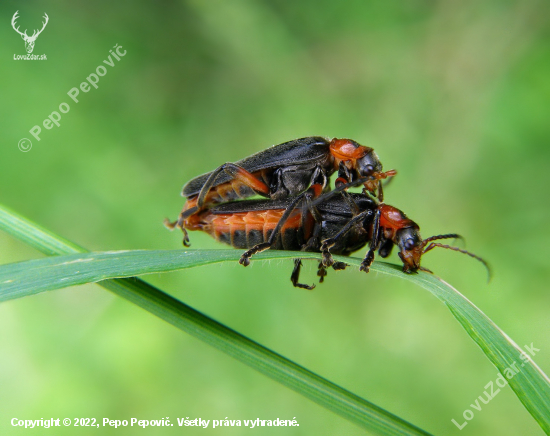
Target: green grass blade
{"x": 530, "y": 384}
{"x": 31, "y": 277}
{"x": 184, "y": 317}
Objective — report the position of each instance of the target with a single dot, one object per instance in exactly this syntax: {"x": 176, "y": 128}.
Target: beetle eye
{"x": 409, "y": 244}
{"x": 368, "y": 170}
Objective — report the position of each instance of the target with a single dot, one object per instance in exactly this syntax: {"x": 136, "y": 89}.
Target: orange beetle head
{"x": 411, "y": 246}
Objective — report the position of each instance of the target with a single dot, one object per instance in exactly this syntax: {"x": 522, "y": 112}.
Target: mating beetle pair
{"x": 283, "y": 171}
{"x": 301, "y": 213}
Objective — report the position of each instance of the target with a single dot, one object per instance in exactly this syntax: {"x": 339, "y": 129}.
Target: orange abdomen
{"x": 246, "y": 229}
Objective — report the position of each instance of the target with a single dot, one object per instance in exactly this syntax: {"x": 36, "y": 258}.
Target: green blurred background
{"x": 455, "y": 95}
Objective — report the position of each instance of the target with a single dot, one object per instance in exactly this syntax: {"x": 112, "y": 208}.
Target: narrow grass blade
{"x": 323, "y": 392}
{"x": 31, "y": 277}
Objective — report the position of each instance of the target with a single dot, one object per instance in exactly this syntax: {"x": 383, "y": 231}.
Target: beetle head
{"x": 361, "y": 160}
{"x": 405, "y": 233}
{"x": 411, "y": 248}
{"x": 368, "y": 165}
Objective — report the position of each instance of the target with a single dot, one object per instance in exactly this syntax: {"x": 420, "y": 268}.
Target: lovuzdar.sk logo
{"x": 29, "y": 40}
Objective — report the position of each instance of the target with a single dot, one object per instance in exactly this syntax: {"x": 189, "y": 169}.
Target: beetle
{"x": 282, "y": 171}
{"x": 337, "y": 222}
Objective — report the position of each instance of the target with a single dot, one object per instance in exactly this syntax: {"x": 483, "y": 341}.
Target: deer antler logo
{"x": 29, "y": 40}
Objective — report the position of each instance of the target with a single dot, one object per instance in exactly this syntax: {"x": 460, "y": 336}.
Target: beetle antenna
{"x": 436, "y": 244}
{"x": 435, "y": 238}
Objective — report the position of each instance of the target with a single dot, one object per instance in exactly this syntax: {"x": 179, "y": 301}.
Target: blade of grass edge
{"x": 189, "y": 320}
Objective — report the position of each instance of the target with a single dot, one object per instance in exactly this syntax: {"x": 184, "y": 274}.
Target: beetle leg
{"x": 337, "y": 266}
{"x": 258, "y": 248}
{"x": 295, "y": 276}
{"x": 313, "y": 192}
{"x": 374, "y": 243}
{"x": 186, "y": 214}
{"x": 178, "y": 223}
{"x": 208, "y": 185}
{"x": 343, "y": 172}
{"x": 325, "y": 251}
{"x": 353, "y": 206}
{"x": 311, "y": 245}
{"x": 185, "y": 238}
{"x": 237, "y": 173}
{"x": 170, "y": 225}
{"x": 245, "y": 257}
{"x": 386, "y": 246}
{"x": 321, "y": 272}
{"x": 388, "y": 175}
{"x": 308, "y": 208}
{"x": 319, "y": 177}
{"x": 247, "y": 178}
{"x": 380, "y": 192}
{"x": 329, "y": 243}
